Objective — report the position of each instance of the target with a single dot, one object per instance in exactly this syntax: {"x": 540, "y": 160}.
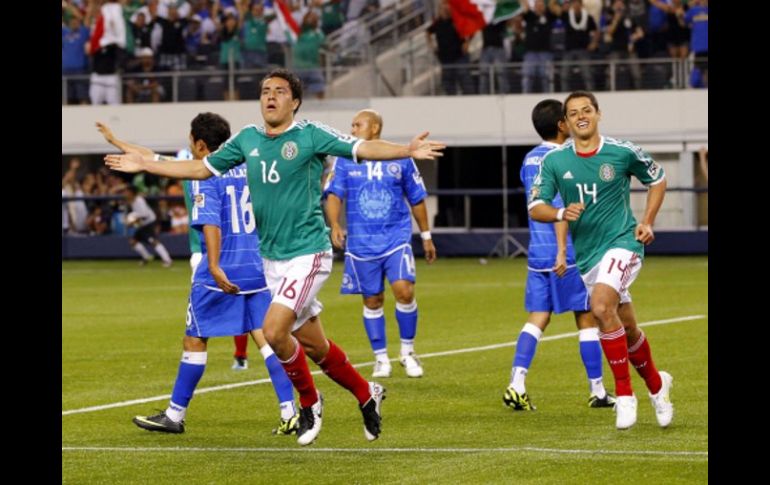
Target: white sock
{"x": 139, "y": 248}
{"x": 407, "y": 347}
{"x": 162, "y": 252}
{"x": 288, "y": 409}
{"x": 518, "y": 376}
{"x": 175, "y": 412}
{"x": 382, "y": 356}
{"x": 597, "y": 387}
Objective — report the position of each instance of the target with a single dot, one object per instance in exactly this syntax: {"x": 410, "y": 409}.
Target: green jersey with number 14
{"x": 284, "y": 176}
{"x": 603, "y": 183}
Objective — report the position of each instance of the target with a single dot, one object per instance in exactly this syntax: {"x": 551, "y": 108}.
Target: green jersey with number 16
{"x": 284, "y": 176}
{"x": 603, "y": 183}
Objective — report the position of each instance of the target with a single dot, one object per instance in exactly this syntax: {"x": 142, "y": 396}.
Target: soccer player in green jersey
{"x": 284, "y": 160}
{"x": 593, "y": 175}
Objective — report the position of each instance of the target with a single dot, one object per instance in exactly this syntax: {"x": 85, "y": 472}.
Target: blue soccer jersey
{"x": 376, "y": 209}
{"x": 542, "y": 237}
{"x": 224, "y": 201}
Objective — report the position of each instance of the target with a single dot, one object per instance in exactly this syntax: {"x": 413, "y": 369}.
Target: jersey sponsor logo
{"x": 254, "y": 152}
{"x": 374, "y": 201}
{"x": 606, "y": 172}
{"x": 200, "y": 200}
{"x": 356, "y": 173}
{"x": 568, "y": 176}
{"x": 395, "y": 170}
{"x": 289, "y": 150}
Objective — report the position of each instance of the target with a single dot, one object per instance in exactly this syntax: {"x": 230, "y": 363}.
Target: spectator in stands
{"x": 143, "y": 218}
{"x": 172, "y": 49}
{"x": 98, "y": 221}
{"x": 230, "y": 41}
{"x": 538, "y": 56}
{"x": 492, "y": 59}
{"x": 142, "y": 31}
{"x": 77, "y": 212}
{"x": 177, "y": 211}
{"x": 677, "y": 33}
{"x": 74, "y": 39}
{"x": 276, "y": 39}
{"x": 452, "y": 52}
{"x": 332, "y": 15}
{"x": 146, "y": 88}
{"x": 307, "y": 55}
{"x": 582, "y": 38}
{"x": 621, "y": 35}
{"x": 254, "y": 35}
{"x": 108, "y": 38}
{"x": 697, "y": 18}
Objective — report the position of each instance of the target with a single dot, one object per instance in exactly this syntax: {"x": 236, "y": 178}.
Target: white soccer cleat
{"x": 412, "y": 365}
{"x": 382, "y": 369}
{"x": 310, "y": 422}
{"x": 625, "y": 411}
{"x": 664, "y": 409}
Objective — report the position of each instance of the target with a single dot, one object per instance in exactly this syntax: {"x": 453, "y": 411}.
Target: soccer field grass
{"x": 122, "y": 327}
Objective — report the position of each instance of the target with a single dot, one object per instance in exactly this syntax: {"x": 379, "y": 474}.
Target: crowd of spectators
{"x": 575, "y": 32}
{"x": 106, "y": 215}
{"x": 141, "y": 38}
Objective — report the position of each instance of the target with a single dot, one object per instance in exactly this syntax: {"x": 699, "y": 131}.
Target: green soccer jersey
{"x": 602, "y": 182}
{"x": 192, "y": 234}
{"x": 284, "y": 175}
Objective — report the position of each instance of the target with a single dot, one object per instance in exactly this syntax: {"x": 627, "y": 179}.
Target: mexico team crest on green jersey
{"x": 289, "y": 150}
{"x": 606, "y": 172}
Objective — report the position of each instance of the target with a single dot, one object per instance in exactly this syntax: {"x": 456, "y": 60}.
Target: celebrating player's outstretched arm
{"x": 182, "y": 169}
{"x": 419, "y": 148}
{"x": 127, "y": 147}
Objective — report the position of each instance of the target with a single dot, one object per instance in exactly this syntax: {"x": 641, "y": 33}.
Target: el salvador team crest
{"x": 373, "y": 201}
{"x": 289, "y": 150}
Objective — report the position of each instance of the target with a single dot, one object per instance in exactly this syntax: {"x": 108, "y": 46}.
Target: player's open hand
{"x": 422, "y": 149}
{"x": 127, "y": 162}
{"x": 222, "y": 282}
{"x": 338, "y": 236}
{"x": 573, "y": 211}
{"x": 561, "y": 264}
{"x": 430, "y": 250}
{"x": 644, "y": 234}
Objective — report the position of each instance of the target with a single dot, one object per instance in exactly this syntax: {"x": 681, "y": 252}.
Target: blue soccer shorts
{"x": 212, "y": 313}
{"x": 546, "y": 292}
{"x": 365, "y": 276}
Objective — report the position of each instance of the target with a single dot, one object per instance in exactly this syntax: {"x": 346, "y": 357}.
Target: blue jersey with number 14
{"x": 378, "y": 217}
{"x": 225, "y": 202}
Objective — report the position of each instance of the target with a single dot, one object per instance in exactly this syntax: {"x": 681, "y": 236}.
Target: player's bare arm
{"x": 655, "y": 195}
{"x": 420, "y": 148}
{"x": 420, "y": 213}
{"x": 182, "y": 169}
{"x": 333, "y": 208}
{"x": 560, "y": 266}
{"x": 213, "y": 237}
{"x": 123, "y": 145}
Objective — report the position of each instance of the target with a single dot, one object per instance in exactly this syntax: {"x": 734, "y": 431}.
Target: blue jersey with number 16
{"x": 225, "y": 202}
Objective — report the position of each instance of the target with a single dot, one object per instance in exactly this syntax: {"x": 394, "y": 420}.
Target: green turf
{"x": 121, "y": 340}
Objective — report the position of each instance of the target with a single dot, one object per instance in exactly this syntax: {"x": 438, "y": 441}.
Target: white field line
{"x": 363, "y": 364}
{"x": 518, "y": 449}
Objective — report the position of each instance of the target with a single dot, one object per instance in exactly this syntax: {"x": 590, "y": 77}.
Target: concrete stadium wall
{"x": 657, "y": 120}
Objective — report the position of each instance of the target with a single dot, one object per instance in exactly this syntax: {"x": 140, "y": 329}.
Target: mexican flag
{"x": 470, "y": 16}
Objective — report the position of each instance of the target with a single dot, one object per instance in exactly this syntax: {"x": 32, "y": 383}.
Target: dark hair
{"x": 294, "y": 83}
{"x": 581, "y": 94}
{"x": 211, "y": 128}
{"x": 545, "y": 118}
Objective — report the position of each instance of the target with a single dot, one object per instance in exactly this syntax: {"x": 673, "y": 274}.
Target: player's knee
{"x": 193, "y": 344}
{"x": 404, "y": 294}
{"x": 603, "y": 311}
{"x": 374, "y": 302}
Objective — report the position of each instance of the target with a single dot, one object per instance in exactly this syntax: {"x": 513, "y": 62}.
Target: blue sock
{"x": 281, "y": 383}
{"x": 374, "y": 323}
{"x": 406, "y": 316}
{"x": 591, "y": 352}
{"x": 527, "y": 345}
{"x": 191, "y": 370}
